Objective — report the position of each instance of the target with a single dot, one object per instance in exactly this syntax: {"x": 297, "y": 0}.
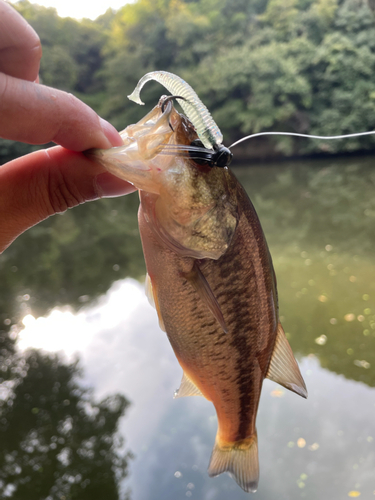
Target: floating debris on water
{"x": 322, "y": 298}
{"x": 301, "y": 480}
{"x": 321, "y": 340}
{"x": 313, "y": 447}
{"x": 362, "y": 363}
{"x": 354, "y": 494}
{"x": 301, "y": 443}
{"x": 349, "y": 317}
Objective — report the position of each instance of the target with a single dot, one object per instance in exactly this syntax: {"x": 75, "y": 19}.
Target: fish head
{"x": 138, "y": 161}
{"x": 194, "y": 205}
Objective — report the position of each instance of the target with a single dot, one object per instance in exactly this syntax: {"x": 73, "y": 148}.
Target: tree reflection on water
{"x": 57, "y": 443}
{"x": 319, "y": 219}
{"x": 71, "y": 258}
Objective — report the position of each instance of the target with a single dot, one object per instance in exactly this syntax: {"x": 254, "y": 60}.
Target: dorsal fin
{"x": 199, "y": 283}
{"x": 153, "y": 299}
{"x": 187, "y": 388}
{"x": 283, "y": 367}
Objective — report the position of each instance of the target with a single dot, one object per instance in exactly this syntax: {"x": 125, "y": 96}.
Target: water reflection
{"x": 56, "y": 441}
{"x": 319, "y": 221}
{"x": 319, "y": 448}
{"x": 71, "y": 258}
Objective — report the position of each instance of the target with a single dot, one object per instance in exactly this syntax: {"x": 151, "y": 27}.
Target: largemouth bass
{"x": 211, "y": 279}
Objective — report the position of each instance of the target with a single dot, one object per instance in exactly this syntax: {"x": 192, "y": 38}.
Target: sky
{"x": 81, "y": 8}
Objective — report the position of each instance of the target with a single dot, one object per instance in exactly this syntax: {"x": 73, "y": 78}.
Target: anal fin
{"x": 199, "y": 283}
{"x": 283, "y": 367}
{"x": 187, "y": 388}
{"x": 153, "y": 300}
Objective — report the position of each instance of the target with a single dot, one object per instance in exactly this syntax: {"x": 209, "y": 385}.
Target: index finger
{"x": 20, "y": 48}
{"x": 37, "y": 114}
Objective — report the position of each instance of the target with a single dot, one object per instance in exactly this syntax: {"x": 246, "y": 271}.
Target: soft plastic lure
{"x": 210, "y": 148}
{"x": 207, "y": 130}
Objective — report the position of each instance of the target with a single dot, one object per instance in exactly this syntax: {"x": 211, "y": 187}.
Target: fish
{"x": 210, "y": 277}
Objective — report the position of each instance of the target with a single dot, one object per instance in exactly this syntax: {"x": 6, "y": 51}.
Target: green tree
{"x": 296, "y": 65}
{"x": 282, "y": 15}
{"x": 58, "y": 68}
{"x": 71, "y": 49}
{"x": 344, "y": 92}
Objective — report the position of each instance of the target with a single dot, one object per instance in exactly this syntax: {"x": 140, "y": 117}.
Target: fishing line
{"x": 322, "y": 137}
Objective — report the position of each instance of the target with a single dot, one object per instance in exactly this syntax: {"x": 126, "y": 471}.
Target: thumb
{"x": 46, "y": 182}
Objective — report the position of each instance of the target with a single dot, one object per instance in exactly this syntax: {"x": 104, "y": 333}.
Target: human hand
{"x": 48, "y": 181}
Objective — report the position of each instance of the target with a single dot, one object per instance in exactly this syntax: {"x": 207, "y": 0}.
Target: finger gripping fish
{"x": 211, "y": 279}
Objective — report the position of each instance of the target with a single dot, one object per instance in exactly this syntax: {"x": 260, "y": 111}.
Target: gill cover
{"x": 207, "y": 130}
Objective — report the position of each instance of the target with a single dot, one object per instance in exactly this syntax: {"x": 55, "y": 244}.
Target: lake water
{"x": 74, "y": 285}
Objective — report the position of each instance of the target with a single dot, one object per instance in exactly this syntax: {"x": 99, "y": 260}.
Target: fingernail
{"x": 108, "y": 186}
{"x": 110, "y": 133}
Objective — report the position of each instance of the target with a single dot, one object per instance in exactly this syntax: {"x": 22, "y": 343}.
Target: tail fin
{"x": 239, "y": 460}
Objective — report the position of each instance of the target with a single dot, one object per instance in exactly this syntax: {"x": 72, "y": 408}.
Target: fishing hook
{"x": 169, "y": 99}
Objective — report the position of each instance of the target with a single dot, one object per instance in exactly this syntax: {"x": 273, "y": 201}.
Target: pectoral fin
{"x": 149, "y": 291}
{"x": 153, "y": 300}
{"x": 283, "y": 367}
{"x": 187, "y": 388}
{"x": 203, "y": 289}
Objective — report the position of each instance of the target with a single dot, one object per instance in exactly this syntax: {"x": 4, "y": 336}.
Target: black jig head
{"x": 219, "y": 157}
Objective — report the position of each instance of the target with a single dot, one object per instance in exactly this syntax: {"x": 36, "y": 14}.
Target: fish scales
{"x": 211, "y": 280}
{"x": 228, "y": 368}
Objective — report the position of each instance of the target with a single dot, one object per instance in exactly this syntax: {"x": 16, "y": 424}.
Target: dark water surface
{"x": 69, "y": 285}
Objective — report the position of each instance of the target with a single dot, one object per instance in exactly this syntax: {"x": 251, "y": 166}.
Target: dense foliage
{"x": 288, "y": 65}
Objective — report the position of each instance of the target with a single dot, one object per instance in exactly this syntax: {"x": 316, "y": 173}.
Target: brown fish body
{"x": 212, "y": 282}
{"x": 228, "y": 368}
